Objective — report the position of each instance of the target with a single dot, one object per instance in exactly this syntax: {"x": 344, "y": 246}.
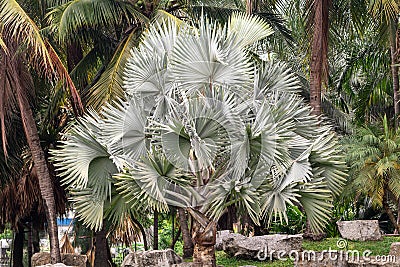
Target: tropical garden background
{"x": 146, "y": 118}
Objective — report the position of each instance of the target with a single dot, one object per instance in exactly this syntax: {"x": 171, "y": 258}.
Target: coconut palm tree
{"x": 203, "y": 128}
{"x": 373, "y": 156}
{"x": 24, "y": 49}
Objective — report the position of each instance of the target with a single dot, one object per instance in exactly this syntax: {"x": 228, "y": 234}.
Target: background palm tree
{"x": 20, "y": 33}
{"x": 373, "y": 155}
{"x": 192, "y": 91}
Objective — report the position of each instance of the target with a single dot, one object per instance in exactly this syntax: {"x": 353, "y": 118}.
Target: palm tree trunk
{"x": 155, "y": 235}
{"x": 18, "y": 247}
{"x": 395, "y": 72}
{"x": 319, "y": 54}
{"x": 187, "y": 239}
{"x": 39, "y": 159}
{"x": 204, "y": 237}
{"x": 387, "y": 209}
{"x": 100, "y": 258}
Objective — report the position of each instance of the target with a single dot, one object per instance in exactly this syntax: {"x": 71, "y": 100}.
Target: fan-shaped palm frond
{"x": 193, "y": 131}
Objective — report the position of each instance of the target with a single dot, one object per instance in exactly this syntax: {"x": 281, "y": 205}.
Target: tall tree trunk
{"x": 30, "y": 243}
{"x": 155, "y": 234}
{"x": 18, "y": 247}
{"x": 319, "y": 54}
{"x": 45, "y": 182}
{"x": 101, "y": 258}
{"x": 187, "y": 239}
{"x": 204, "y": 237}
{"x": 395, "y": 71}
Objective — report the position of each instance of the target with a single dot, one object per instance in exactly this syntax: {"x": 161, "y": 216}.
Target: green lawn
{"x": 376, "y": 247}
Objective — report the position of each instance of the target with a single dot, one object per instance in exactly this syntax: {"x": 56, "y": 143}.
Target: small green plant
{"x": 296, "y": 222}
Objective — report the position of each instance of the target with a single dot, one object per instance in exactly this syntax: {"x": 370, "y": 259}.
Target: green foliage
{"x": 6, "y": 234}
{"x": 373, "y": 156}
{"x": 296, "y": 222}
{"x": 376, "y": 247}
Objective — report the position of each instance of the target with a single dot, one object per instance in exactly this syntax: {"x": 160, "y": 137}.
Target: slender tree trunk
{"x": 398, "y": 215}
{"x": 175, "y": 239}
{"x": 100, "y": 258}
{"x": 187, "y": 239}
{"x": 18, "y": 247}
{"x": 30, "y": 244}
{"x": 45, "y": 182}
{"x": 155, "y": 234}
{"x": 138, "y": 224}
{"x": 319, "y": 54}
{"x": 395, "y": 72}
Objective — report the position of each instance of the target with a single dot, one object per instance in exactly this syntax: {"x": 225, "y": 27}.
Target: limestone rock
{"x": 266, "y": 247}
{"x": 317, "y": 259}
{"x": 43, "y": 258}
{"x": 152, "y": 258}
{"x": 395, "y": 250}
{"x": 220, "y": 236}
{"x": 360, "y": 230}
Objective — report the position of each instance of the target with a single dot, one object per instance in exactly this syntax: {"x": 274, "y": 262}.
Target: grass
{"x": 376, "y": 247}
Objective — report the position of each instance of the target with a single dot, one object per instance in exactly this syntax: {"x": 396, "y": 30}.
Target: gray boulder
{"x": 360, "y": 230}
{"x": 152, "y": 258}
{"x": 220, "y": 236}
{"x": 43, "y": 258}
{"x": 317, "y": 259}
{"x": 266, "y": 247}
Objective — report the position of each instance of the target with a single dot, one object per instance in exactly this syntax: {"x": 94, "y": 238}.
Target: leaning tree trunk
{"x": 187, "y": 239}
{"x": 386, "y": 207}
{"x": 204, "y": 237}
{"x": 395, "y": 71}
{"x": 45, "y": 182}
{"x": 319, "y": 54}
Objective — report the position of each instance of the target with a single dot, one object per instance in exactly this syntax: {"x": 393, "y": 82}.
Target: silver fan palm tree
{"x": 204, "y": 127}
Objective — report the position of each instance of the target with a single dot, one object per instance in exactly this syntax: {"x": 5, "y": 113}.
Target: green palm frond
{"x": 18, "y": 26}
{"x": 96, "y": 14}
{"x": 109, "y": 87}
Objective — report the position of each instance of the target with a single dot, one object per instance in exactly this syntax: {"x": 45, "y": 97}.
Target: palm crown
{"x": 203, "y": 126}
